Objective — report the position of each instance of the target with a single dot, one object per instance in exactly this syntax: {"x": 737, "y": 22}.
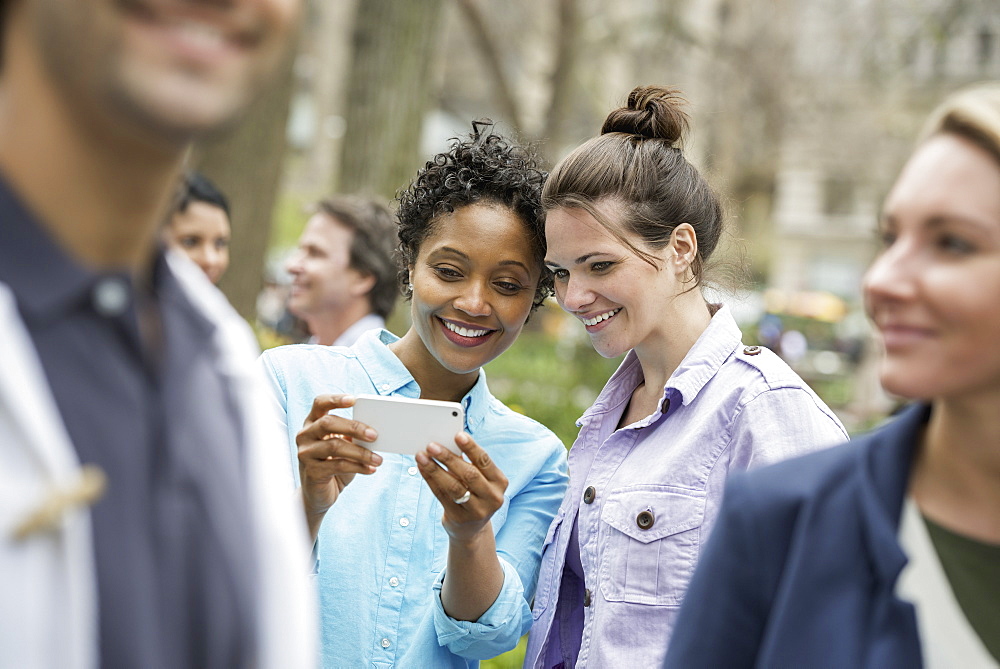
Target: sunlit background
{"x": 803, "y": 111}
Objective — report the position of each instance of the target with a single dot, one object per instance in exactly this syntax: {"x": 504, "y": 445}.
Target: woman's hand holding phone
{"x": 328, "y": 457}
{"x": 470, "y": 492}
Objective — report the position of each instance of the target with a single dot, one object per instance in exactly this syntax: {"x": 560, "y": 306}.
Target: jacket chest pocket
{"x": 651, "y": 537}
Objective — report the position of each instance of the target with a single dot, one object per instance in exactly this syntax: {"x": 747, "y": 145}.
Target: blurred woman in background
{"x": 886, "y": 553}
{"x": 199, "y": 225}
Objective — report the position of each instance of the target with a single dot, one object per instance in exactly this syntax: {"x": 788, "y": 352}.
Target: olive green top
{"x": 973, "y": 571}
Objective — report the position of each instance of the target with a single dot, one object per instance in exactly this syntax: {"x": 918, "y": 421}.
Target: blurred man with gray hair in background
{"x": 141, "y": 520}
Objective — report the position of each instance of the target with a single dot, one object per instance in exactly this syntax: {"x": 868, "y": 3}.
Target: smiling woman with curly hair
{"x": 430, "y": 560}
{"x": 484, "y": 168}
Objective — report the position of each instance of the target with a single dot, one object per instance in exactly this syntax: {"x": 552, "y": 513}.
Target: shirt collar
{"x": 719, "y": 340}
{"x": 44, "y": 278}
{"x": 702, "y": 362}
{"x": 355, "y": 330}
{"x": 389, "y": 376}
{"x": 187, "y": 290}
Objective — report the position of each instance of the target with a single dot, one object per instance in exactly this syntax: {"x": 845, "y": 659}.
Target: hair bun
{"x": 652, "y": 112}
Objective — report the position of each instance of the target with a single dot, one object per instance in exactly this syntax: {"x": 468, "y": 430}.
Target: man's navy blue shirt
{"x": 171, "y": 534}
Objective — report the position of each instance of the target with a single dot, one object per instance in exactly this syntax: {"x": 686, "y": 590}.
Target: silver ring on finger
{"x": 464, "y": 498}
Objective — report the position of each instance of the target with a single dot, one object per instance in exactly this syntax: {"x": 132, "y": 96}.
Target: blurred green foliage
{"x": 512, "y": 659}
{"x": 290, "y": 215}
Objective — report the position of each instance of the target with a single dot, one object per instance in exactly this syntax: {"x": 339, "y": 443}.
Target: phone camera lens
{"x": 454, "y": 413}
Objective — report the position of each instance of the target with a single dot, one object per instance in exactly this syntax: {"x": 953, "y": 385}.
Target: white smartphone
{"x": 406, "y": 425}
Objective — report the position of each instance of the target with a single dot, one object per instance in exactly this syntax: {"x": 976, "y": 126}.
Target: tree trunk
{"x": 394, "y": 43}
{"x": 329, "y": 39}
{"x": 562, "y": 74}
{"x": 247, "y": 165}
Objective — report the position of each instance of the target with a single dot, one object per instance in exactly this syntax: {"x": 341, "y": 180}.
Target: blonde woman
{"x": 886, "y": 552}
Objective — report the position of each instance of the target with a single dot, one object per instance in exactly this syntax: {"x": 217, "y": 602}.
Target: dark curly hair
{"x": 485, "y": 167}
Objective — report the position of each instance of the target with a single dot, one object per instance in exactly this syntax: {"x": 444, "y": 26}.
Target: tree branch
{"x": 562, "y": 72}
{"x": 483, "y": 41}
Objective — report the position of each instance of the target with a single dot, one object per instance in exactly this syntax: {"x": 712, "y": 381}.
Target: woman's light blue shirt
{"x": 382, "y": 550}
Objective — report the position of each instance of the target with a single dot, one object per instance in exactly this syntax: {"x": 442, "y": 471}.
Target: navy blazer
{"x": 801, "y": 567}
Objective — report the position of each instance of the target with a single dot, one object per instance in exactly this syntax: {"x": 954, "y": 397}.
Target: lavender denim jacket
{"x": 646, "y": 496}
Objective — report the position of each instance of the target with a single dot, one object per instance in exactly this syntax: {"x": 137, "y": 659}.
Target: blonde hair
{"x": 972, "y": 112}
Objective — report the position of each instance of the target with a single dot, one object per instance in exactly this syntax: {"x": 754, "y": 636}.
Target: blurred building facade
{"x": 883, "y": 64}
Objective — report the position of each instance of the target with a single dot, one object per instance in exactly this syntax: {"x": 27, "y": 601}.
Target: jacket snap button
{"x": 589, "y": 494}
{"x": 644, "y": 520}
{"x": 752, "y": 350}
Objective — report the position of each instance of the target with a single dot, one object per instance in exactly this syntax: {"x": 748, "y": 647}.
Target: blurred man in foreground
{"x": 140, "y": 525}
{"x": 343, "y": 271}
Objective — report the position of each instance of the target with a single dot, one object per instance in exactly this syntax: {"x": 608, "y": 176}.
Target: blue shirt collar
{"x": 390, "y": 377}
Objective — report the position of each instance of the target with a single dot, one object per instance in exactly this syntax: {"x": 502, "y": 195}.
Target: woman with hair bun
{"x": 630, "y": 227}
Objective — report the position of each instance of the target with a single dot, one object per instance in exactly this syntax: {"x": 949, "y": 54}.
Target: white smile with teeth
{"x": 203, "y": 35}
{"x": 465, "y": 332}
{"x": 600, "y": 317}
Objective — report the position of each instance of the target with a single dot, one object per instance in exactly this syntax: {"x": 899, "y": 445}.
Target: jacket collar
{"x": 706, "y": 357}
{"x": 715, "y": 345}
{"x": 886, "y": 464}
